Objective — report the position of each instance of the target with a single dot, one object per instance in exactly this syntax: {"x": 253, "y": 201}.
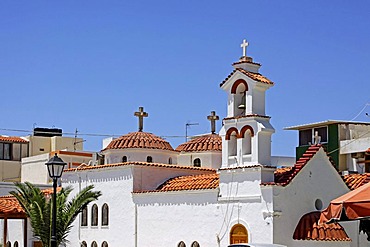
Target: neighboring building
{"x": 345, "y": 141}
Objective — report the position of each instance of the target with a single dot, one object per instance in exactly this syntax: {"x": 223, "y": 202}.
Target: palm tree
{"x": 38, "y": 208}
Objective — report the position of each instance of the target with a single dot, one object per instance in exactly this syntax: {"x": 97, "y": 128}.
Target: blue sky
{"x": 90, "y": 64}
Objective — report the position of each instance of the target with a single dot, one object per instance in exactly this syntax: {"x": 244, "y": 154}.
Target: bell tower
{"x": 246, "y": 132}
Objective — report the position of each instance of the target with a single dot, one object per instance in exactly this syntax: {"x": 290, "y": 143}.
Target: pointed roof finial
{"x": 244, "y": 46}
{"x": 213, "y": 118}
{"x": 141, "y": 114}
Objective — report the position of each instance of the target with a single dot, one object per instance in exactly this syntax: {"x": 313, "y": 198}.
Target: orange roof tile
{"x": 283, "y": 176}
{"x": 253, "y": 76}
{"x": 354, "y": 181}
{"x": 210, "y": 142}
{"x": 139, "y": 140}
{"x": 137, "y": 163}
{"x": 194, "y": 182}
{"x": 10, "y": 205}
{"x": 13, "y": 139}
{"x": 308, "y": 229}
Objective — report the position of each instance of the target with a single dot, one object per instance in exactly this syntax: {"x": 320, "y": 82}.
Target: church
{"x": 215, "y": 189}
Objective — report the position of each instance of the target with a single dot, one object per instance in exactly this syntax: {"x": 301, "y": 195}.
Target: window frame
{"x": 94, "y": 215}
{"x": 105, "y": 215}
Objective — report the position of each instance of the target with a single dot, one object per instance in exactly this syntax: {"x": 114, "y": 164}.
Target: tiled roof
{"x": 12, "y": 139}
{"x": 253, "y": 76}
{"x": 283, "y": 176}
{"x": 137, "y": 163}
{"x": 139, "y": 140}
{"x": 354, "y": 181}
{"x": 194, "y": 182}
{"x": 10, "y": 206}
{"x": 308, "y": 229}
{"x": 210, "y": 142}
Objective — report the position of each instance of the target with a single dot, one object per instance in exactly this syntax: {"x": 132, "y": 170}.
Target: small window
{"x": 195, "y": 244}
{"x": 104, "y": 244}
{"x": 94, "y": 244}
{"x": 94, "y": 215}
{"x": 105, "y": 215}
{"x": 124, "y": 159}
{"x": 170, "y": 160}
{"x": 8, "y": 244}
{"x": 149, "y": 159}
{"x": 305, "y": 137}
{"x": 318, "y": 204}
{"x": 16, "y": 244}
{"x": 83, "y": 244}
{"x": 181, "y": 244}
{"x": 323, "y": 133}
{"x": 84, "y": 217}
{"x": 197, "y": 162}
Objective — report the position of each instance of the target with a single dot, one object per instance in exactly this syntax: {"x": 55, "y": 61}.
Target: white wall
{"x": 139, "y": 154}
{"x": 210, "y": 159}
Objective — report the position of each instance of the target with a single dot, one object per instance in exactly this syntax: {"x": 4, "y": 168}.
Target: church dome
{"x": 205, "y": 143}
{"x": 139, "y": 140}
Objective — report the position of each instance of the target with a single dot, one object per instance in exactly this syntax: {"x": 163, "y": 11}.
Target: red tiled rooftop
{"x": 137, "y": 163}
{"x": 354, "y": 181}
{"x": 210, "y": 142}
{"x": 253, "y": 76}
{"x": 283, "y": 176}
{"x": 13, "y": 139}
{"x": 194, "y": 182}
{"x": 139, "y": 140}
{"x": 308, "y": 229}
{"x": 10, "y": 205}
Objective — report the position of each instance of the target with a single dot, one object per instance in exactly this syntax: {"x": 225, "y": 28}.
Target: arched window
{"x": 181, "y": 244}
{"x": 105, "y": 215}
{"x": 170, "y": 160}
{"x": 83, "y": 244}
{"x": 94, "y": 215}
{"x": 195, "y": 244}
{"x": 16, "y": 244}
{"x": 231, "y": 136}
{"x": 247, "y": 133}
{"x": 149, "y": 159}
{"x": 104, "y": 244}
{"x": 238, "y": 234}
{"x": 239, "y": 89}
{"x": 94, "y": 244}
{"x": 84, "y": 217}
{"x": 8, "y": 244}
{"x": 197, "y": 162}
{"x": 124, "y": 159}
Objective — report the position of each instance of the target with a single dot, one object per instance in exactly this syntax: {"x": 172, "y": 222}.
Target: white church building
{"x": 215, "y": 189}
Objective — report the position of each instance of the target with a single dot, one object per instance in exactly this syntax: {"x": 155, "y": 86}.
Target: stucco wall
{"x": 208, "y": 159}
{"x": 136, "y": 154}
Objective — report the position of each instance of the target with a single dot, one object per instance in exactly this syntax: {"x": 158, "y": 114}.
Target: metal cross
{"x": 244, "y": 46}
{"x": 213, "y": 117}
{"x": 141, "y": 114}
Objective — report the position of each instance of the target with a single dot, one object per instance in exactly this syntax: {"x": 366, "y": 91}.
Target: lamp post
{"x": 55, "y": 168}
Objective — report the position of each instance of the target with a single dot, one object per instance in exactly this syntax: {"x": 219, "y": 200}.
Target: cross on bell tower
{"x": 141, "y": 114}
{"x": 244, "y": 46}
{"x": 213, "y": 118}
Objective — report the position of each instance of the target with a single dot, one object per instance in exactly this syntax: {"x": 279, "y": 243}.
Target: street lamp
{"x": 55, "y": 168}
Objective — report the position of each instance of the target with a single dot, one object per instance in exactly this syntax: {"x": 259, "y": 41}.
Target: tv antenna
{"x": 187, "y": 125}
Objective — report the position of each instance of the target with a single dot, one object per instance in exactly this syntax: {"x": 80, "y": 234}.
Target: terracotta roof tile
{"x": 10, "y": 205}
{"x": 13, "y": 139}
{"x": 139, "y": 140}
{"x": 253, "y": 76}
{"x": 137, "y": 163}
{"x": 283, "y": 176}
{"x": 354, "y": 181}
{"x": 308, "y": 229}
{"x": 210, "y": 142}
{"x": 194, "y": 182}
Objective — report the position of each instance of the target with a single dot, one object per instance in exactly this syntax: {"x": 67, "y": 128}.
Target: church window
{"x": 238, "y": 234}
{"x": 231, "y": 136}
{"x": 8, "y": 244}
{"x": 195, "y": 244}
{"x": 170, "y": 160}
{"x": 197, "y": 162}
{"x": 181, "y": 244}
{"x": 104, "y": 244}
{"x": 15, "y": 244}
{"x": 124, "y": 159}
{"x": 94, "y": 244}
{"x": 84, "y": 217}
{"x": 247, "y": 134}
{"x": 318, "y": 204}
{"x": 239, "y": 89}
{"x": 105, "y": 215}
{"x": 94, "y": 215}
{"x": 149, "y": 159}
{"x": 83, "y": 244}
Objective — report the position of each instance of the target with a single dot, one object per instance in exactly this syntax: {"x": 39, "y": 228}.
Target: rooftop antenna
{"x": 187, "y": 125}
{"x": 76, "y": 142}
